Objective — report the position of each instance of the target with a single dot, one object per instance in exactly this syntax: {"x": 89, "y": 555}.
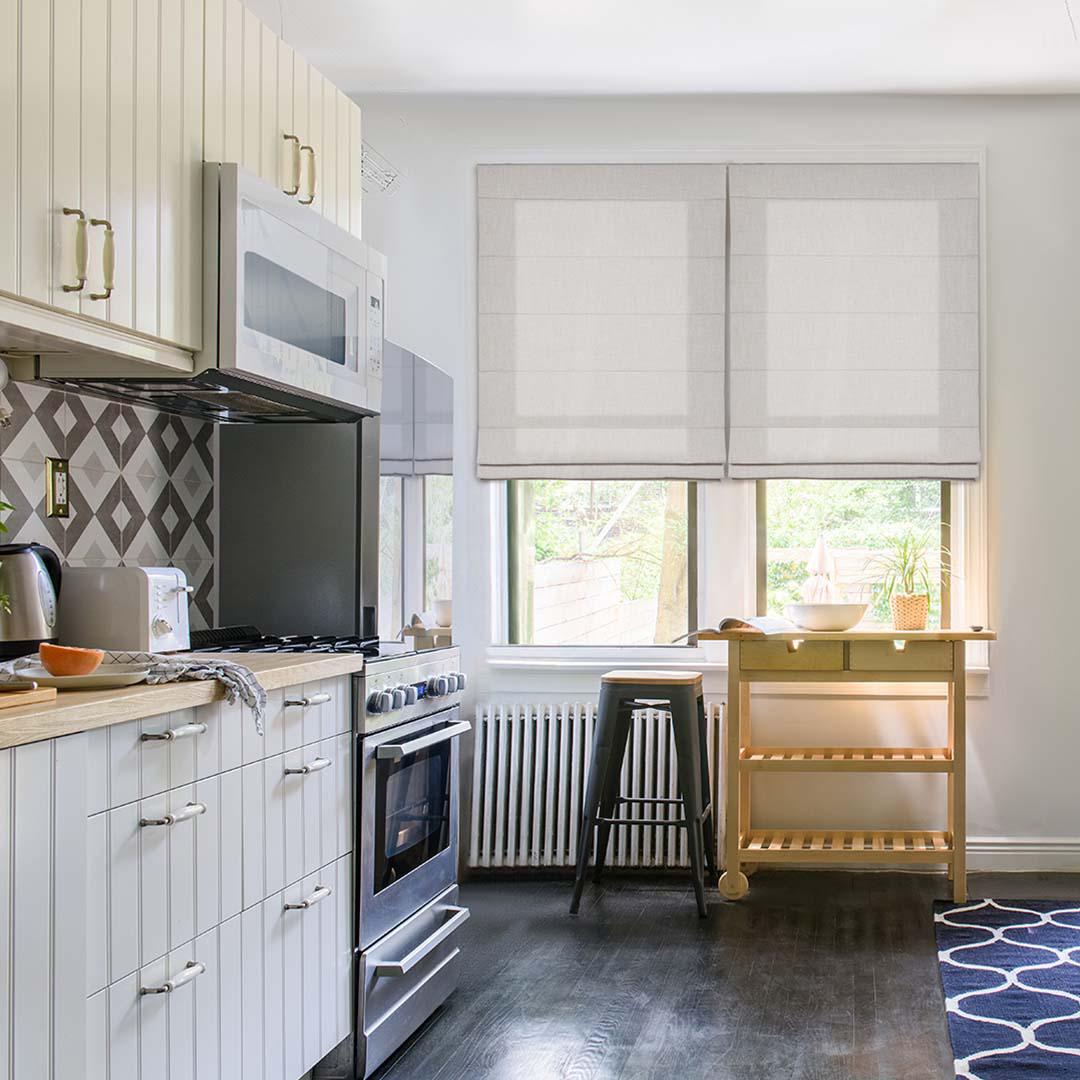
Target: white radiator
{"x": 529, "y": 769}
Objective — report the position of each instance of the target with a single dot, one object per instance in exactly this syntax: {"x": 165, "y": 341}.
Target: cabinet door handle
{"x": 294, "y": 162}
{"x": 310, "y": 175}
{"x": 192, "y": 810}
{"x": 192, "y": 970}
{"x": 108, "y": 259}
{"x": 316, "y": 765}
{"x": 321, "y": 893}
{"x": 80, "y": 249}
{"x": 182, "y": 732}
{"x": 307, "y": 701}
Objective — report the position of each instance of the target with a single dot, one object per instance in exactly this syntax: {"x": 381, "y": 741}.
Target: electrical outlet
{"x": 57, "y": 490}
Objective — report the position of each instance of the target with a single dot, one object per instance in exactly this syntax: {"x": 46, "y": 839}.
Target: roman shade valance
{"x": 698, "y": 321}
{"x": 601, "y": 321}
{"x": 854, "y": 320}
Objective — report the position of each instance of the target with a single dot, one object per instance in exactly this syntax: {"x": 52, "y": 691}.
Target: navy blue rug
{"x": 1011, "y": 974}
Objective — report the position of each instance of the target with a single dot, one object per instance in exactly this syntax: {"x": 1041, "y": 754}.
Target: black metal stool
{"x": 679, "y": 694}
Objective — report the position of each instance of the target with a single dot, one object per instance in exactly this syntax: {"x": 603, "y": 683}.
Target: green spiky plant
{"x": 905, "y": 565}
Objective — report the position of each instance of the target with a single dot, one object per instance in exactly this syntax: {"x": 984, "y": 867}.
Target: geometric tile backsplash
{"x": 142, "y": 485}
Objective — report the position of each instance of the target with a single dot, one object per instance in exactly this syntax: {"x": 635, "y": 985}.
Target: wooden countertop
{"x": 84, "y": 710}
{"x": 848, "y": 635}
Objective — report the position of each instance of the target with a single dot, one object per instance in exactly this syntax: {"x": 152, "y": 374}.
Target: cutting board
{"x": 10, "y": 698}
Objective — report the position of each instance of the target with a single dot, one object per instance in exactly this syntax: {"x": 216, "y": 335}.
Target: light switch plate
{"x": 57, "y": 490}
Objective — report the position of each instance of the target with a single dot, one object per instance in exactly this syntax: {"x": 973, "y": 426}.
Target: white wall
{"x": 1025, "y": 734}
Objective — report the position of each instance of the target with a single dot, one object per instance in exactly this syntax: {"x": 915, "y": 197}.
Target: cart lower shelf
{"x": 845, "y": 846}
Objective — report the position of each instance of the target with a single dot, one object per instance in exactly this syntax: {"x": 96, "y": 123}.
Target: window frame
{"x": 514, "y": 554}
{"x": 423, "y": 478}
{"x": 401, "y": 541}
{"x": 761, "y": 557}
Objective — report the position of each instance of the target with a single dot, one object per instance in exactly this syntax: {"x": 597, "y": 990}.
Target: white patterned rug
{"x": 1010, "y": 970}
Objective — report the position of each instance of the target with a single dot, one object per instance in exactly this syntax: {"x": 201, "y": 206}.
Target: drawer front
{"x": 191, "y": 1032}
{"x": 398, "y": 997}
{"x": 298, "y": 716}
{"x": 133, "y": 761}
{"x": 297, "y": 965}
{"x": 153, "y": 887}
{"x": 915, "y": 656}
{"x": 776, "y": 656}
{"x": 296, "y": 821}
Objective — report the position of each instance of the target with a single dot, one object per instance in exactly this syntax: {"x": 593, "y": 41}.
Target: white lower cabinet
{"x": 297, "y": 962}
{"x": 177, "y": 1017}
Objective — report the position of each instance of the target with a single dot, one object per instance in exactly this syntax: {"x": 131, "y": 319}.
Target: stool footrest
{"x": 650, "y": 801}
{"x": 681, "y": 822}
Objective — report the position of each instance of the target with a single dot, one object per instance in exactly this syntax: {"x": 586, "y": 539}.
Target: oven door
{"x": 409, "y": 848}
{"x": 300, "y": 307}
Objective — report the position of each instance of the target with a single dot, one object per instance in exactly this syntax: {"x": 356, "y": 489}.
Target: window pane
{"x": 390, "y": 557}
{"x": 599, "y": 562}
{"x": 860, "y": 521}
{"x": 438, "y": 539}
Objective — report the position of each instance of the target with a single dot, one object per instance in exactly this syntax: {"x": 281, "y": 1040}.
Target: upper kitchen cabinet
{"x": 270, "y": 111}
{"x": 101, "y": 103}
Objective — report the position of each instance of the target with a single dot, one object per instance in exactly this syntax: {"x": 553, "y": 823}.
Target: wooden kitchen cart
{"x": 859, "y": 656}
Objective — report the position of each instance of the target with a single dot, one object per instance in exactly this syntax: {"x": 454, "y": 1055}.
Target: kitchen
{"x": 419, "y": 436}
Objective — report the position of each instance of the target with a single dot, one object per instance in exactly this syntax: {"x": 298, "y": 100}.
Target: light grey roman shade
{"x": 854, "y": 320}
{"x": 601, "y": 320}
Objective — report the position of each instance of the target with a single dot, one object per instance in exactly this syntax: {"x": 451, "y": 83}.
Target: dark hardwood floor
{"x": 814, "y": 976}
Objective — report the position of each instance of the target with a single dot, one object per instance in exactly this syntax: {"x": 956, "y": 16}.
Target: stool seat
{"x": 653, "y": 678}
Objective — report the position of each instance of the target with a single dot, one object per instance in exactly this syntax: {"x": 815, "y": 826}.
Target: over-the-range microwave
{"x": 293, "y": 317}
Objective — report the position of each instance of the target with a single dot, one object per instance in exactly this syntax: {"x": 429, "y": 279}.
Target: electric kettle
{"x": 30, "y": 579}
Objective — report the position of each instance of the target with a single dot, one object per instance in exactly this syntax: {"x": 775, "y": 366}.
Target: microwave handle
{"x": 396, "y": 751}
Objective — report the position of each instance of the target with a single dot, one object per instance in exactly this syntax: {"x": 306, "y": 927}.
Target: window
{"x": 604, "y": 562}
{"x": 438, "y": 539}
{"x": 391, "y": 551}
{"x": 860, "y": 520}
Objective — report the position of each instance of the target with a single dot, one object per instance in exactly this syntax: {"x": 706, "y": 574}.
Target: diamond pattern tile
{"x": 141, "y": 484}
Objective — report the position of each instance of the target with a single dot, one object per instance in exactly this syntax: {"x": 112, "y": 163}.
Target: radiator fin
{"x": 530, "y": 763}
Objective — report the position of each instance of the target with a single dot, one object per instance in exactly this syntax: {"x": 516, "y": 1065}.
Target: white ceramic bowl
{"x": 825, "y": 616}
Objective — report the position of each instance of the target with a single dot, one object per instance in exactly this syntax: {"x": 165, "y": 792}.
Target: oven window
{"x": 287, "y": 307}
{"x": 412, "y": 812}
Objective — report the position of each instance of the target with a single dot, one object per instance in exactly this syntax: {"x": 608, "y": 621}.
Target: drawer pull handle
{"x": 307, "y": 702}
{"x": 316, "y": 765}
{"x": 192, "y": 810}
{"x": 192, "y": 970}
{"x": 295, "y": 165}
{"x": 793, "y": 645}
{"x": 321, "y": 893}
{"x": 427, "y": 946}
{"x": 182, "y": 732}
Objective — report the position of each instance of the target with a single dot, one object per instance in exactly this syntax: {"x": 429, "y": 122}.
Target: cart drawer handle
{"x": 321, "y": 893}
{"x": 192, "y": 810}
{"x": 427, "y": 946}
{"x": 173, "y": 734}
{"x": 307, "y": 701}
{"x": 316, "y": 765}
{"x": 192, "y": 970}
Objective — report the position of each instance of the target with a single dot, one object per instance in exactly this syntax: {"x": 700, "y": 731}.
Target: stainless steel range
{"x": 407, "y": 728}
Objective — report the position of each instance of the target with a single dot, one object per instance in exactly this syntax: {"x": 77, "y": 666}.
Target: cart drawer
{"x": 776, "y": 656}
{"x": 915, "y": 656}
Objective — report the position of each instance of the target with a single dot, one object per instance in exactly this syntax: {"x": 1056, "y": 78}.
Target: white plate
{"x": 825, "y": 616}
{"x": 106, "y": 676}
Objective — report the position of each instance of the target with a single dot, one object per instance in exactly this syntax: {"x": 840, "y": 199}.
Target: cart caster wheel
{"x": 749, "y": 868}
{"x": 734, "y": 886}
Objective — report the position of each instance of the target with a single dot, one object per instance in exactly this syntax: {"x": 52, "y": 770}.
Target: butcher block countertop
{"x": 84, "y": 710}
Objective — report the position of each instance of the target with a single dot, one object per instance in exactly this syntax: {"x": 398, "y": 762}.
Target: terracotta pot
{"x": 909, "y": 610}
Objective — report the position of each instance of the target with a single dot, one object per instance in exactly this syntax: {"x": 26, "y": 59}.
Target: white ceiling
{"x": 684, "y": 46}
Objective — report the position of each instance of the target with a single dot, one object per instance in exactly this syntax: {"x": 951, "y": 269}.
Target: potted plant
{"x": 905, "y": 580}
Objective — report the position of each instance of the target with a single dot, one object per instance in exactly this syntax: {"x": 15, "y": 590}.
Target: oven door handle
{"x": 396, "y": 751}
{"x": 427, "y": 946}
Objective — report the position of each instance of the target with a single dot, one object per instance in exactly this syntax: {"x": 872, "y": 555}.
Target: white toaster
{"x": 127, "y": 608}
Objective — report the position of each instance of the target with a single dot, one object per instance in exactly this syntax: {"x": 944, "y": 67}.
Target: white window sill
{"x": 574, "y": 664}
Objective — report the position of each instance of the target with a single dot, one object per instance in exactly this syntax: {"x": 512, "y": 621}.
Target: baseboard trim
{"x": 1024, "y": 853}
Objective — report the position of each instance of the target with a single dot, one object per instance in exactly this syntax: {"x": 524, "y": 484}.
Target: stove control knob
{"x": 454, "y": 682}
{"x": 410, "y": 695}
{"x": 460, "y": 680}
{"x": 398, "y": 695}
{"x": 437, "y": 686}
{"x": 380, "y": 702}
